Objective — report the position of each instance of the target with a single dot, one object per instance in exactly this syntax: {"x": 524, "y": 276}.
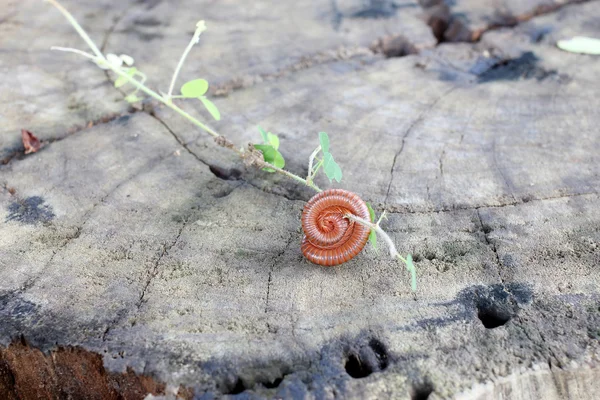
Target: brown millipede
{"x": 330, "y": 238}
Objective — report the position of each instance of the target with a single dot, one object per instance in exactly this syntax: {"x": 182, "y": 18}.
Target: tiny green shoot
{"x": 324, "y": 140}
{"x": 270, "y": 150}
{"x": 331, "y": 168}
{"x": 373, "y": 233}
{"x": 123, "y": 80}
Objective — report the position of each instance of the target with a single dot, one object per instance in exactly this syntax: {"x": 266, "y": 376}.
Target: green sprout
{"x": 372, "y": 234}
{"x": 270, "y": 150}
{"x": 332, "y": 169}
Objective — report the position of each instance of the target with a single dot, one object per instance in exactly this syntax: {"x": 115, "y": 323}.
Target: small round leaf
{"x": 195, "y": 88}
{"x": 337, "y": 174}
{"x": 324, "y": 141}
{"x": 211, "y": 108}
{"x": 271, "y": 156}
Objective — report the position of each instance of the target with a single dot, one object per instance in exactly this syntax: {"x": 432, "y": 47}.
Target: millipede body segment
{"x": 330, "y": 239}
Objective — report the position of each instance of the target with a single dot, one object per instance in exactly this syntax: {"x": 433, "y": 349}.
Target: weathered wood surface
{"x": 137, "y": 238}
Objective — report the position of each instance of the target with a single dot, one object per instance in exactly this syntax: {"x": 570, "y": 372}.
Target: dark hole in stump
{"x": 492, "y": 317}
{"x": 227, "y": 174}
{"x": 422, "y": 391}
{"x": 368, "y": 359}
{"x": 357, "y": 369}
{"x": 274, "y": 384}
{"x": 380, "y": 353}
{"x": 238, "y": 388}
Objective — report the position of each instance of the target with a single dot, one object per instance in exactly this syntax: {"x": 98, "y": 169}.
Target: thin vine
{"x": 265, "y": 156}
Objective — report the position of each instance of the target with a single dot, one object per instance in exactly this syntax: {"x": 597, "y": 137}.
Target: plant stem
{"x": 76, "y": 51}
{"x": 317, "y": 168}
{"x": 78, "y": 28}
{"x": 119, "y": 71}
{"x": 140, "y": 86}
{"x": 393, "y": 252}
{"x": 200, "y": 27}
{"x": 100, "y": 59}
{"x": 311, "y": 159}
{"x": 294, "y": 176}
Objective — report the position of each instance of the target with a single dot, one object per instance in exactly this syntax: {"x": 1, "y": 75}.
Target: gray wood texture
{"x": 131, "y": 234}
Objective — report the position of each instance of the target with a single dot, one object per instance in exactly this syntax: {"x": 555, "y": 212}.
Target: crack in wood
{"x": 398, "y": 210}
{"x": 541, "y": 10}
{"x": 448, "y": 26}
{"x": 492, "y": 246}
{"x": 418, "y": 120}
{"x": 178, "y": 139}
{"x": 276, "y": 259}
{"x": 342, "y": 53}
{"x": 511, "y": 192}
{"x": 212, "y": 167}
{"x": 155, "y": 269}
{"x": 18, "y": 154}
{"x": 151, "y": 274}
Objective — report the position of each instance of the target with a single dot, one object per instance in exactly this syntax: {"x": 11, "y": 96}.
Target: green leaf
{"x": 121, "y": 80}
{"x": 329, "y": 165}
{"x": 279, "y": 162}
{"x": 372, "y": 234}
{"x": 267, "y": 150}
{"x": 373, "y": 239}
{"x": 273, "y": 140}
{"x": 371, "y": 212}
{"x": 133, "y": 98}
{"x": 271, "y": 155}
{"x": 324, "y": 141}
{"x": 332, "y": 169}
{"x": 413, "y": 272}
{"x": 263, "y": 133}
{"x": 580, "y": 44}
{"x": 195, "y": 88}
{"x": 212, "y": 109}
{"x": 337, "y": 175}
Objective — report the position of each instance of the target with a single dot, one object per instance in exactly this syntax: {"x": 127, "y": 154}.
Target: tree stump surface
{"x": 134, "y": 247}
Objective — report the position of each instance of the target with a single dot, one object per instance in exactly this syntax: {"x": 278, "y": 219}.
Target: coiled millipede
{"x": 330, "y": 238}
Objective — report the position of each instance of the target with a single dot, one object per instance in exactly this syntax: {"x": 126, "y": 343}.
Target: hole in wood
{"x": 357, "y": 369}
{"x": 492, "y": 317}
{"x": 421, "y": 391}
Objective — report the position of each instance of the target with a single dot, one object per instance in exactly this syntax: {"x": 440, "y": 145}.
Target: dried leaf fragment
{"x": 30, "y": 142}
